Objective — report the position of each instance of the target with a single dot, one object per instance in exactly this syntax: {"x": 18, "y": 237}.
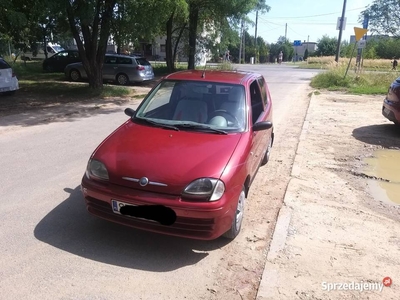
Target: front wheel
{"x": 122, "y": 79}
{"x": 238, "y": 218}
{"x": 74, "y": 75}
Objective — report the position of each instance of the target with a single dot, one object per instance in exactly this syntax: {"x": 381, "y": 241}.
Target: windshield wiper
{"x": 199, "y": 126}
{"x": 159, "y": 124}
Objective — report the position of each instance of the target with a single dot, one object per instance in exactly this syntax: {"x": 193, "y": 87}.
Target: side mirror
{"x": 262, "y": 126}
{"x": 129, "y": 112}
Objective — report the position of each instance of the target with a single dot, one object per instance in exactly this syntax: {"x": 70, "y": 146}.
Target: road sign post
{"x": 296, "y": 44}
{"x": 359, "y": 32}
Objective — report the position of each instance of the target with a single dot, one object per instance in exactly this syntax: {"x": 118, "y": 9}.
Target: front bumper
{"x": 194, "y": 220}
{"x": 391, "y": 111}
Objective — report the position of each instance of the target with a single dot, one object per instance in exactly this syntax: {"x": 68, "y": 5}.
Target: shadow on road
{"x": 71, "y": 228}
{"x": 385, "y": 135}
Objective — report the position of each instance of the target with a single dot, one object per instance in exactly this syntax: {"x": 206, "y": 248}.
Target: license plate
{"x": 387, "y": 111}
{"x": 116, "y": 206}
{"x": 4, "y": 89}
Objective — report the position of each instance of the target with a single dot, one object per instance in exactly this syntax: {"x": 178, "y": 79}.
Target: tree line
{"x": 91, "y": 23}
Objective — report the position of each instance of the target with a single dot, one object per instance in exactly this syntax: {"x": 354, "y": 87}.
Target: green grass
{"x": 367, "y": 83}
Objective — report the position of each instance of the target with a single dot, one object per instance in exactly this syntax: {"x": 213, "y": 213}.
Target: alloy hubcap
{"x": 74, "y": 75}
{"x": 122, "y": 80}
{"x": 240, "y": 210}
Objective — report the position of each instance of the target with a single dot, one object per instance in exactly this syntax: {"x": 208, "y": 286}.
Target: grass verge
{"x": 367, "y": 83}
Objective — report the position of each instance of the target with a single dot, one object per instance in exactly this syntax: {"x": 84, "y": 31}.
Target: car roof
{"x": 233, "y": 77}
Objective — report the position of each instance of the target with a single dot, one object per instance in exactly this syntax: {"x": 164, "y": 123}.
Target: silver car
{"x": 121, "y": 69}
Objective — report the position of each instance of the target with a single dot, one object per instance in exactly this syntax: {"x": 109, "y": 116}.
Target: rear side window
{"x": 4, "y": 64}
{"x": 124, "y": 61}
{"x": 263, "y": 88}
{"x": 142, "y": 61}
{"x": 110, "y": 60}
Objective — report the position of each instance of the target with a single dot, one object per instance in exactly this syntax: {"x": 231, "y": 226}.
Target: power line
{"x": 313, "y": 16}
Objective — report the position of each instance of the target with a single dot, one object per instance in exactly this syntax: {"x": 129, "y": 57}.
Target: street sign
{"x": 338, "y": 23}
{"x": 362, "y": 44}
{"x": 360, "y": 32}
{"x": 297, "y": 43}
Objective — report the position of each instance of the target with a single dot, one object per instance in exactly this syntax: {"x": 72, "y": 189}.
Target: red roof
{"x": 234, "y": 77}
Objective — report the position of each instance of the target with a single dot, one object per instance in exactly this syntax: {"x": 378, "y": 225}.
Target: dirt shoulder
{"x": 332, "y": 227}
{"x": 19, "y": 110}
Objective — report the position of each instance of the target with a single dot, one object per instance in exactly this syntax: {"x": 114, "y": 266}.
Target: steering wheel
{"x": 232, "y": 117}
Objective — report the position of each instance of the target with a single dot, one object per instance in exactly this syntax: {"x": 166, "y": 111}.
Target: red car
{"x": 184, "y": 161}
{"x": 391, "y": 104}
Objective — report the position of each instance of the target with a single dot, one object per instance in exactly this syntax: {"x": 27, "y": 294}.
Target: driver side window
{"x": 257, "y": 106}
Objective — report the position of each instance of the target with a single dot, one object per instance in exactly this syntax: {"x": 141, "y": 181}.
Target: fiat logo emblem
{"x": 143, "y": 181}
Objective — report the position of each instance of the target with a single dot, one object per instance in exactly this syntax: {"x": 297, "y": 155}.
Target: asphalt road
{"x": 51, "y": 248}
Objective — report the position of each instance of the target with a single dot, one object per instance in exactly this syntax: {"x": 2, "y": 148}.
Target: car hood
{"x": 169, "y": 159}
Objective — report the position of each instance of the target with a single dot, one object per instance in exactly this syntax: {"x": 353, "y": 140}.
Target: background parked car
{"x": 391, "y": 104}
{"x": 8, "y": 79}
{"x": 59, "y": 61}
{"x": 122, "y": 69}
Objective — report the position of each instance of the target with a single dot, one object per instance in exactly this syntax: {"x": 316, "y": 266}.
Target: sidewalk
{"x": 330, "y": 229}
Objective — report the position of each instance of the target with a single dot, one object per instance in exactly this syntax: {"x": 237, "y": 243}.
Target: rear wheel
{"x": 238, "y": 218}
{"x": 122, "y": 79}
{"x": 74, "y": 75}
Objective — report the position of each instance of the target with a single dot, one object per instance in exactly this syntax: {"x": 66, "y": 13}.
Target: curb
{"x": 269, "y": 278}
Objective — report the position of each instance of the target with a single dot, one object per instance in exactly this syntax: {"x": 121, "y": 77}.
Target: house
{"x": 301, "y": 50}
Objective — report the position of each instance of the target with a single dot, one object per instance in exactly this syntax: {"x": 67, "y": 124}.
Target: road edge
{"x": 269, "y": 277}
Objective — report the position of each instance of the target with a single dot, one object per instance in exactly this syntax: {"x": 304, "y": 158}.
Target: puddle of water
{"x": 385, "y": 164}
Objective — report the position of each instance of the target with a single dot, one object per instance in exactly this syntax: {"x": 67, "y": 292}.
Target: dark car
{"x": 184, "y": 162}
{"x": 391, "y": 104}
{"x": 60, "y": 60}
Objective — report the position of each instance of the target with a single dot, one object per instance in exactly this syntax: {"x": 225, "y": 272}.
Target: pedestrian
{"x": 280, "y": 58}
{"x": 227, "y": 55}
{"x": 395, "y": 63}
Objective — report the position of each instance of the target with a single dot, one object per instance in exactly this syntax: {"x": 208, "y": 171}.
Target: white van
{"x": 51, "y": 50}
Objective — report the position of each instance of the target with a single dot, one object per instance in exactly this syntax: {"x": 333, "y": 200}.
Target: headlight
{"x": 96, "y": 169}
{"x": 205, "y": 188}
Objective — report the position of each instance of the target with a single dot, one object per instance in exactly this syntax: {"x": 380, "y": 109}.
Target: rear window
{"x": 4, "y": 64}
{"x": 142, "y": 61}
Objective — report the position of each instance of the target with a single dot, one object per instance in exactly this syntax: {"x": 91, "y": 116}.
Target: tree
{"x": 262, "y": 8}
{"x": 384, "y": 17}
{"x": 210, "y": 11}
{"x": 90, "y": 23}
{"x": 326, "y": 46}
{"x": 306, "y": 54}
{"x": 284, "y": 45}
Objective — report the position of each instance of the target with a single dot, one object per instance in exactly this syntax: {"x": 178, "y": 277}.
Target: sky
{"x": 307, "y": 19}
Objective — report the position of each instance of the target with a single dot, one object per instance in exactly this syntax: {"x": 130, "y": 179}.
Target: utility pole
{"x": 340, "y": 31}
{"x": 286, "y": 32}
{"x": 241, "y": 43}
{"x": 244, "y": 43}
{"x": 255, "y": 40}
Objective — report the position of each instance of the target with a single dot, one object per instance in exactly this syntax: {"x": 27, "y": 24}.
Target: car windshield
{"x": 183, "y": 103}
{"x": 58, "y": 48}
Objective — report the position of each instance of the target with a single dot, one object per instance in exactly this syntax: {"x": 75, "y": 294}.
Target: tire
{"x": 238, "y": 218}
{"x": 268, "y": 152}
{"x": 74, "y": 75}
{"x": 122, "y": 79}
{"x": 10, "y": 93}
